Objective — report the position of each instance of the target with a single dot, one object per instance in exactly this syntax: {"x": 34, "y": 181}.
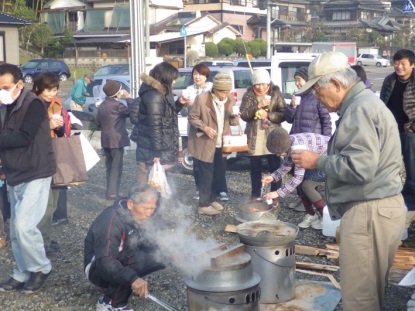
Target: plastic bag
{"x": 158, "y": 180}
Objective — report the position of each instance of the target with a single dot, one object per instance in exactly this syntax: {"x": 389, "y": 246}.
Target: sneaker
{"x": 196, "y": 195}
{"x": 223, "y": 196}
{"x": 317, "y": 224}
{"x": 125, "y": 308}
{"x": 217, "y": 206}
{"x": 102, "y": 306}
{"x": 300, "y": 208}
{"x": 36, "y": 281}
{"x": 11, "y": 285}
{"x": 294, "y": 204}
{"x": 52, "y": 248}
{"x": 308, "y": 220}
{"x": 62, "y": 221}
{"x": 207, "y": 210}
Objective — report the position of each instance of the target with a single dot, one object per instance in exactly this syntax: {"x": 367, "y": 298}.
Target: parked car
{"x": 218, "y": 63}
{"x": 96, "y": 96}
{"x": 241, "y": 78}
{"x": 35, "y": 67}
{"x": 117, "y": 69}
{"x": 255, "y": 63}
{"x": 372, "y": 60}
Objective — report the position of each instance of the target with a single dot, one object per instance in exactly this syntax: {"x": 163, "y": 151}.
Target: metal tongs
{"x": 262, "y": 190}
{"x": 161, "y": 303}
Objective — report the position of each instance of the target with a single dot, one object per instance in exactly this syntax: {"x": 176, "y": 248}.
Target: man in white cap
{"x": 363, "y": 186}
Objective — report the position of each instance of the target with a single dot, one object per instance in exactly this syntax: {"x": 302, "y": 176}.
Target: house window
{"x": 283, "y": 10}
{"x": 342, "y": 15}
{"x": 364, "y": 15}
{"x": 176, "y": 48}
{"x": 238, "y": 2}
{"x": 240, "y": 28}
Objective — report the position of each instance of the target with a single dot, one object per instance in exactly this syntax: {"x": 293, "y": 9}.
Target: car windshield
{"x": 30, "y": 65}
{"x": 110, "y": 70}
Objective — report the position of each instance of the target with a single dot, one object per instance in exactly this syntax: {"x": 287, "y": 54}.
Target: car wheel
{"x": 28, "y": 79}
{"x": 359, "y": 63}
{"x": 378, "y": 64}
{"x": 186, "y": 166}
{"x": 63, "y": 77}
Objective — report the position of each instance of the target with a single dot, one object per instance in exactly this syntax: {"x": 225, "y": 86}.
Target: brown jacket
{"x": 201, "y": 115}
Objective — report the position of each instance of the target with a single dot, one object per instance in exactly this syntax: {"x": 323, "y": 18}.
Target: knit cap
{"x": 111, "y": 88}
{"x": 278, "y": 141}
{"x": 261, "y": 76}
{"x": 302, "y": 72}
{"x": 222, "y": 82}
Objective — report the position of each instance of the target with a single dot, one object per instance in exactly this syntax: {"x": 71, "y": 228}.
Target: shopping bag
{"x": 91, "y": 157}
{"x": 157, "y": 179}
{"x": 235, "y": 143}
{"x": 70, "y": 164}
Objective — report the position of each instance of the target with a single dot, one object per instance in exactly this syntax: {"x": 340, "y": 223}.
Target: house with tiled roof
{"x": 9, "y": 38}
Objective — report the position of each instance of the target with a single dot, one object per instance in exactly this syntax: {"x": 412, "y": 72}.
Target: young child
{"x": 281, "y": 143}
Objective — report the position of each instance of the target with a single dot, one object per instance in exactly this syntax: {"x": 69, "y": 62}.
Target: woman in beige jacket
{"x": 210, "y": 119}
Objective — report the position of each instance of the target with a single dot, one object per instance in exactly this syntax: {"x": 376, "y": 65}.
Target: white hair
{"x": 346, "y": 77}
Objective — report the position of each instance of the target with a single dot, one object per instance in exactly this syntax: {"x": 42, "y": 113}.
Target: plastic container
{"x": 329, "y": 225}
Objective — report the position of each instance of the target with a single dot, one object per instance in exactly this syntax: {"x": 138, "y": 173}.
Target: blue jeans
{"x": 28, "y": 205}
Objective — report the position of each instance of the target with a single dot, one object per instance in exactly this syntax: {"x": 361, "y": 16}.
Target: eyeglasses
{"x": 315, "y": 90}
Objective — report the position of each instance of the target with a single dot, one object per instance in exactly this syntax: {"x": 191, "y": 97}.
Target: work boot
{"x": 36, "y": 281}
{"x": 208, "y": 210}
{"x": 11, "y": 285}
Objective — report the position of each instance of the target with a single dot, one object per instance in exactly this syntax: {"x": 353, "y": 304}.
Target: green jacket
{"x": 364, "y": 156}
{"x": 78, "y": 91}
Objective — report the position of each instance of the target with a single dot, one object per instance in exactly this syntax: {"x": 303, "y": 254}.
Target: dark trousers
{"x": 62, "y": 208}
{"x": 212, "y": 179}
{"x": 408, "y": 151}
{"x": 196, "y": 172}
{"x": 141, "y": 261}
{"x": 113, "y": 162}
{"x": 256, "y": 172}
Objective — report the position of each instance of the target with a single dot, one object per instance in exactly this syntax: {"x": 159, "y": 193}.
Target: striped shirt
{"x": 312, "y": 142}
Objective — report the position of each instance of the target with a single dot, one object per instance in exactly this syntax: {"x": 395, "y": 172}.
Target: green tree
{"x": 258, "y": 47}
{"x": 376, "y": 39}
{"x": 20, "y": 9}
{"x": 240, "y": 47}
{"x": 211, "y": 49}
{"x": 41, "y": 37}
{"x": 229, "y": 41}
{"x": 225, "y": 48}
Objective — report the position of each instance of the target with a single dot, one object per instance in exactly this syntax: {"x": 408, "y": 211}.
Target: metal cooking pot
{"x": 270, "y": 233}
{"x": 254, "y": 211}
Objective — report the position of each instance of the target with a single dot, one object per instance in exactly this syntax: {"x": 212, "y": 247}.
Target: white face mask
{"x": 6, "y": 97}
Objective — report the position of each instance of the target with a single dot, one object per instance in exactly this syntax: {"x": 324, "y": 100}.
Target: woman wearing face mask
{"x": 210, "y": 119}
{"x": 263, "y": 109}
{"x": 308, "y": 116}
{"x": 112, "y": 118}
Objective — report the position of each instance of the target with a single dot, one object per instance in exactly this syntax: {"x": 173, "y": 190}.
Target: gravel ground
{"x": 67, "y": 289}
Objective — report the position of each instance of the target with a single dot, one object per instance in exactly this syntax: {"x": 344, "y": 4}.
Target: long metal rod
{"x": 161, "y": 303}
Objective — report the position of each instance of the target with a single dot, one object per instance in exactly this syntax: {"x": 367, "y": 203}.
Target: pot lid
{"x": 270, "y": 233}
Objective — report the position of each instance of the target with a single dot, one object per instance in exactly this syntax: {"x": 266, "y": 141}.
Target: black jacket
{"x": 158, "y": 129}
{"x": 25, "y": 142}
{"x": 112, "y": 232}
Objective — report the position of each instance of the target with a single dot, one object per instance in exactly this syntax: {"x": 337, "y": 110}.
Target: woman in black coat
{"x": 157, "y": 123}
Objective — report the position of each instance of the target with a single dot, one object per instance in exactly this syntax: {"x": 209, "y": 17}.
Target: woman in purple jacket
{"x": 308, "y": 116}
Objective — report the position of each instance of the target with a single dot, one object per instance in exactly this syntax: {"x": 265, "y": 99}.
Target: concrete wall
{"x": 11, "y": 44}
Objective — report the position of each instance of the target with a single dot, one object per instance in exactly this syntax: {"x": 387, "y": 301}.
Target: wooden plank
{"x": 306, "y": 250}
{"x": 329, "y": 276}
{"x": 230, "y": 228}
{"x": 316, "y": 266}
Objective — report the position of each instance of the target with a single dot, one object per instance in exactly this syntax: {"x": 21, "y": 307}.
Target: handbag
{"x": 235, "y": 143}
{"x": 70, "y": 163}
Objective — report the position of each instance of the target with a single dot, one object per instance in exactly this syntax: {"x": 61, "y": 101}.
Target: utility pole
{"x": 269, "y": 12}
{"x": 138, "y": 63}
